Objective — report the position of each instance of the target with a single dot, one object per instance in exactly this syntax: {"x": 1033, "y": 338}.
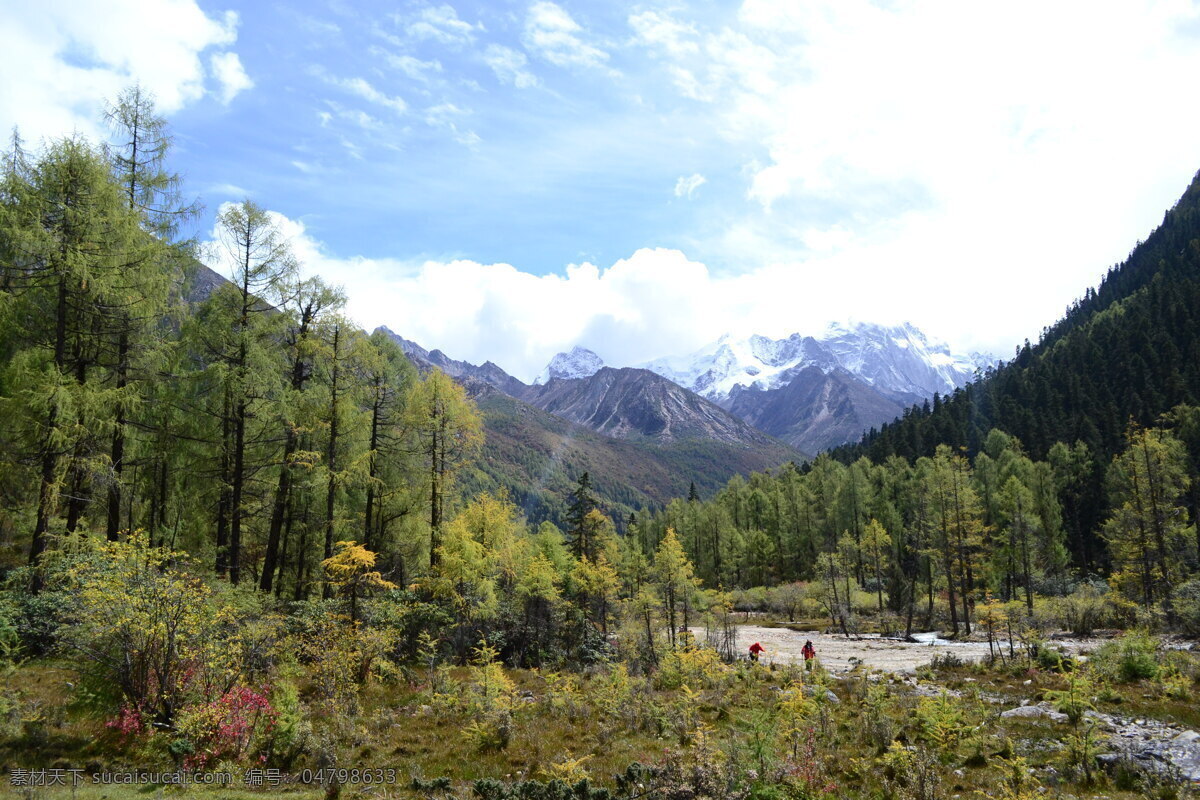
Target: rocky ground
{"x": 838, "y": 653}
{"x": 1139, "y": 744}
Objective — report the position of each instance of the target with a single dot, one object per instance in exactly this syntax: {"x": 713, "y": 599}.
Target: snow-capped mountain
{"x": 898, "y": 361}
{"x": 579, "y": 363}
{"x": 810, "y": 392}
{"x": 816, "y": 392}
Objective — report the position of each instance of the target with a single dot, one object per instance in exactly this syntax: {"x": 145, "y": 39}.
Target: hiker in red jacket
{"x": 755, "y": 649}
{"x": 809, "y": 652}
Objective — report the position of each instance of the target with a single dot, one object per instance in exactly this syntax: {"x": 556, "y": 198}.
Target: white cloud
{"x": 411, "y": 66}
{"x": 1011, "y": 156}
{"x": 509, "y": 66}
{"x": 685, "y": 186}
{"x": 354, "y": 116}
{"x": 363, "y": 88}
{"x": 62, "y": 60}
{"x": 228, "y": 190}
{"x": 654, "y": 303}
{"x": 228, "y": 70}
{"x": 555, "y": 36}
{"x": 441, "y": 24}
{"x": 448, "y": 116}
{"x": 677, "y": 38}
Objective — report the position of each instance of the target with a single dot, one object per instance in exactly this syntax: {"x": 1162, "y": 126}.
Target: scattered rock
{"x": 1035, "y": 712}
{"x": 811, "y": 691}
{"x": 1150, "y": 746}
{"x": 1022, "y": 712}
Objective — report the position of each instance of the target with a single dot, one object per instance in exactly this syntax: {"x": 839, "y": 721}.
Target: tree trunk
{"x": 223, "y": 503}
{"x": 117, "y": 452}
{"x": 331, "y": 456}
{"x": 368, "y": 519}
{"x": 282, "y": 491}
{"x": 239, "y": 480}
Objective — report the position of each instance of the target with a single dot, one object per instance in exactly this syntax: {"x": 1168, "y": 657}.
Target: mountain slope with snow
{"x": 579, "y": 363}
{"x": 898, "y": 361}
{"x": 819, "y": 392}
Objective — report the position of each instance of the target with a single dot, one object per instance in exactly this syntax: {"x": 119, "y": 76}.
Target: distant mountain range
{"x": 647, "y": 433}
{"x": 811, "y": 392}
{"x": 898, "y": 362}
{"x": 642, "y": 438}
{"x": 735, "y": 406}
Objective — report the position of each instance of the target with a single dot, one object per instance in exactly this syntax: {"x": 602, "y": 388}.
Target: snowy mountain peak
{"x": 579, "y": 363}
{"x": 899, "y": 361}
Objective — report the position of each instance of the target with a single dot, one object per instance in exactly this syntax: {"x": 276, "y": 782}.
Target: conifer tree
{"x": 70, "y": 238}
{"x": 583, "y": 503}
{"x": 675, "y": 579}
{"x": 237, "y": 331}
{"x": 876, "y": 546}
{"x": 308, "y": 304}
{"x": 138, "y": 160}
{"x": 1148, "y": 532}
{"x": 448, "y": 432}
{"x": 387, "y": 375}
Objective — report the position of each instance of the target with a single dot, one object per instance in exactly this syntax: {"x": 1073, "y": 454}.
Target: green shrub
{"x": 1086, "y": 608}
{"x": 10, "y": 635}
{"x": 1132, "y": 657}
{"x": 1187, "y": 606}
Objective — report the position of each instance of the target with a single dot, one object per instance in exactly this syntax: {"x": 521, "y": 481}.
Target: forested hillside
{"x": 1129, "y": 351}
{"x": 536, "y": 458}
{"x": 642, "y": 439}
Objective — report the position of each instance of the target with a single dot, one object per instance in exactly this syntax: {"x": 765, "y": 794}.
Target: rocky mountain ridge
{"x": 813, "y": 392}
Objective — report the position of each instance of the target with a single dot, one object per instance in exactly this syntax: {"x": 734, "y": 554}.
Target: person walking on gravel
{"x": 755, "y": 650}
{"x": 809, "y": 652}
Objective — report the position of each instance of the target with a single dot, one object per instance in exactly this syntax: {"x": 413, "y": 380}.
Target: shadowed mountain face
{"x": 636, "y": 403}
{"x": 536, "y": 457}
{"x": 814, "y": 410}
{"x": 627, "y": 403}
{"x": 642, "y": 438}
{"x": 199, "y": 282}
{"x": 488, "y": 372}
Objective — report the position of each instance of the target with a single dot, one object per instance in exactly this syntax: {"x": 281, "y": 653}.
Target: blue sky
{"x": 401, "y": 130}
{"x": 505, "y": 180}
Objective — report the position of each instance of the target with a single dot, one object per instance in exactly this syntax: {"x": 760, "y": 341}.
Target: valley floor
{"x": 839, "y": 653}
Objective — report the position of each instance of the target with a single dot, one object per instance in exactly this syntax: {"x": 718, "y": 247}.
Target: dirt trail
{"x": 834, "y": 652}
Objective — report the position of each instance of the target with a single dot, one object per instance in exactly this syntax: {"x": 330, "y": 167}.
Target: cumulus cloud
{"x": 62, "y": 60}
{"x": 654, "y": 303}
{"x": 228, "y": 70}
{"x": 509, "y": 66}
{"x": 686, "y": 185}
{"x": 972, "y": 152}
{"x": 555, "y": 36}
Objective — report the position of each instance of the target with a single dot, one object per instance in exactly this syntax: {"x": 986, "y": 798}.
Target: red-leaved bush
{"x": 227, "y": 728}
{"x": 129, "y": 723}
